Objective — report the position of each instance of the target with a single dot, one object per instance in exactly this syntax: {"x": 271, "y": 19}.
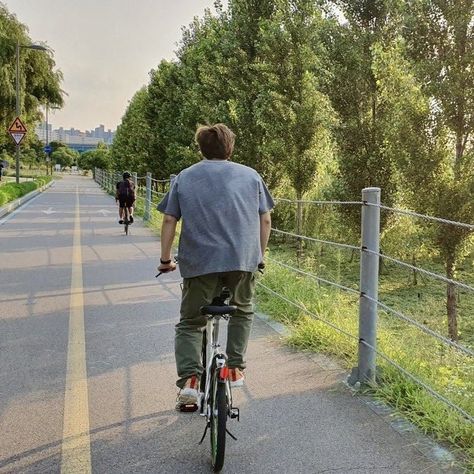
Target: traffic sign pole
{"x": 17, "y": 131}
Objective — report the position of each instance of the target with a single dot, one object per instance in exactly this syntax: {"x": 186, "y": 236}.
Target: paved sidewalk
{"x": 296, "y": 415}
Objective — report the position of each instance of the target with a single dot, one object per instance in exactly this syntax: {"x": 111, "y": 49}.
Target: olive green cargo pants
{"x": 200, "y": 291}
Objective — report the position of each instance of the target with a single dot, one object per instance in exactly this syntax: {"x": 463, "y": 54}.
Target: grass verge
{"x": 11, "y": 191}
{"x": 444, "y": 369}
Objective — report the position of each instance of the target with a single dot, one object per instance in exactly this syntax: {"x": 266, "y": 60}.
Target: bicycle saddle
{"x": 218, "y": 309}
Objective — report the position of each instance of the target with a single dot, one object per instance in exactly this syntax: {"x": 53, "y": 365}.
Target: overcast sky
{"x": 105, "y": 49}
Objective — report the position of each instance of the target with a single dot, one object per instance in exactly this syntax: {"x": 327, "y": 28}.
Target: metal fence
{"x": 151, "y": 190}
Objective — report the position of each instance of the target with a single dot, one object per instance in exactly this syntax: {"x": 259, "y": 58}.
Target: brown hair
{"x": 216, "y": 142}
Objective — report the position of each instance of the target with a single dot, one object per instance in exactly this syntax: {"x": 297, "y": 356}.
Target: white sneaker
{"x": 236, "y": 377}
{"x": 189, "y": 394}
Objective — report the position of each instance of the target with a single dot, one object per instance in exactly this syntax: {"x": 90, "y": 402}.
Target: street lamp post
{"x": 47, "y": 140}
{"x": 18, "y": 111}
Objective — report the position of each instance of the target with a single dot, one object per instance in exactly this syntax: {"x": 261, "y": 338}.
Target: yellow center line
{"x": 76, "y": 445}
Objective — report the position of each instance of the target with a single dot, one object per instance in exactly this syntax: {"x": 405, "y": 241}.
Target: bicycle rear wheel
{"x": 126, "y": 220}
{"x": 218, "y": 421}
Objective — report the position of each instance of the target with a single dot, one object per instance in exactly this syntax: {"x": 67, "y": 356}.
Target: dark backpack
{"x": 125, "y": 188}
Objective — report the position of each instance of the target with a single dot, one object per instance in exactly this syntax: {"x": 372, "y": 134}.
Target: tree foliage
{"x": 325, "y": 97}
{"x": 131, "y": 148}
{"x": 64, "y": 156}
{"x": 39, "y": 80}
{"x": 98, "y": 158}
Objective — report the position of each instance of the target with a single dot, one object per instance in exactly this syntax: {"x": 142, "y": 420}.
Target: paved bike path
{"x": 296, "y": 416}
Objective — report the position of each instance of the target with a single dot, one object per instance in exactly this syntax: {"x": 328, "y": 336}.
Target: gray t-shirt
{"x": 220, "y": 203}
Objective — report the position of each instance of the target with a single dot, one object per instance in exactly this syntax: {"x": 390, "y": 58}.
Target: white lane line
{"x": 19, "y": 209}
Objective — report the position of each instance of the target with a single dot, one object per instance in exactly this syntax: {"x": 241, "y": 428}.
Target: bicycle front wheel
{"x": 218, "y": 422}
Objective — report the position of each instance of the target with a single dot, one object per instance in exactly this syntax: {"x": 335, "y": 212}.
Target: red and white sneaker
{"x": 189, "y": 394}
{"x": 236, "y": 377}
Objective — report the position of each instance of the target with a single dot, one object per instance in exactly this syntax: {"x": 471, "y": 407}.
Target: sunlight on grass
{"x": 445, "y": 369}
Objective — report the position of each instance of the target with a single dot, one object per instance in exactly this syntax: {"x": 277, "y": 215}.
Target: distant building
{"x": 76, "y": 139}
{"x": 41, "y": 131}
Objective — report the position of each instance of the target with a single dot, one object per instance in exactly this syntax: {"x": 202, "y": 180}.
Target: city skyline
{"x": 105, "y": 49}
{"x": 75, "y": 138}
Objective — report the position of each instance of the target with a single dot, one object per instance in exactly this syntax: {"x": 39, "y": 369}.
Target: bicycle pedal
{"x": 235, "y": 413}
{"x": 188, "y": 408}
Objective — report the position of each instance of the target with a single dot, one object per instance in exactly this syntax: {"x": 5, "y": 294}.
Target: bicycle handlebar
{"x": 261, "y": 267}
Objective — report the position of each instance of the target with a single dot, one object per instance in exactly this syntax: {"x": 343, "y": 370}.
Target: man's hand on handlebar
{"x": 166, "y": 267}
{"x": 261, "y": 267}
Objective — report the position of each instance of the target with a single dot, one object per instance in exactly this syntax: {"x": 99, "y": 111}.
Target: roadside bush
{"x": 11, "y": 191}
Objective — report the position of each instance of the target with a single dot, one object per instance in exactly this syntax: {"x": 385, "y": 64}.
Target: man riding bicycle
{"x": 125, "y": 196}
{"x": 225, "y": 209}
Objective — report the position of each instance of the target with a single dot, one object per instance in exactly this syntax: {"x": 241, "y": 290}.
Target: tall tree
{"x": 248, "y": 86}
{"x": 440, "y": 41}
{"x": 296, "y": 116}
{"x": 131, "y": 146}
{"x": 39, "y": 81}
{"x": 364, "y": 160}
{"x": 171, "y": 146}
{"x": 98, "y": 158}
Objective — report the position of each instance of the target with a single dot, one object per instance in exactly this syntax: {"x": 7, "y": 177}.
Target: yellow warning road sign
{"x": 17, "y": 130}
{"x": 17, "y": 126}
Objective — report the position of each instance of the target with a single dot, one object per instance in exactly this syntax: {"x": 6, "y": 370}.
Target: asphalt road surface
{"x": 87, "y": 366}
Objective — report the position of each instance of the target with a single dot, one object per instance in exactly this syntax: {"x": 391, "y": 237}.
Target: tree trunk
{"x": 451, "y": 300}
{"x": 415, "y": 273}
{"x": 299, "y": 227}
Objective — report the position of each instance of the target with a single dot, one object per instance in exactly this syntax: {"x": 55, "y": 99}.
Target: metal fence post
{"x": 148, "y": 196}
{"x": 135, "y": 180}
{"x": 365, "y": 373}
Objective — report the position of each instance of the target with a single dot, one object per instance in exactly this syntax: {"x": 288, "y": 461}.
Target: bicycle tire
{"x": 218, "y": 422}
{"x": 126, "y": 220}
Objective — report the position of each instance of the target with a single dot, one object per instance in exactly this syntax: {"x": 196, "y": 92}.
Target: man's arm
{"x": 265, "y": 229}
{"x": 168, "y": 231}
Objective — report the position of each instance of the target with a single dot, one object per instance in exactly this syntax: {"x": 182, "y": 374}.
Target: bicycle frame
{"x": 213, "y": 354}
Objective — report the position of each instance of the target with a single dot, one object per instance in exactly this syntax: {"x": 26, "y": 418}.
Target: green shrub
{"x": 11, "y": 191}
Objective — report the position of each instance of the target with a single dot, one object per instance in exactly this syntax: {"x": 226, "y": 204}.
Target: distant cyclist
{"x": 125, "y": 196}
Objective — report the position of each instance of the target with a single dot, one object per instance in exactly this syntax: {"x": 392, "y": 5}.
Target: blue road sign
{"x": 47, "y": 149}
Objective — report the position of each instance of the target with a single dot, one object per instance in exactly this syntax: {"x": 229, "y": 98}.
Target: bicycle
{"x": 215, "y": 397}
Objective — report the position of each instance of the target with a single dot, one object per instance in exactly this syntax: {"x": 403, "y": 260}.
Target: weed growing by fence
{"x": 443, "y": 368}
